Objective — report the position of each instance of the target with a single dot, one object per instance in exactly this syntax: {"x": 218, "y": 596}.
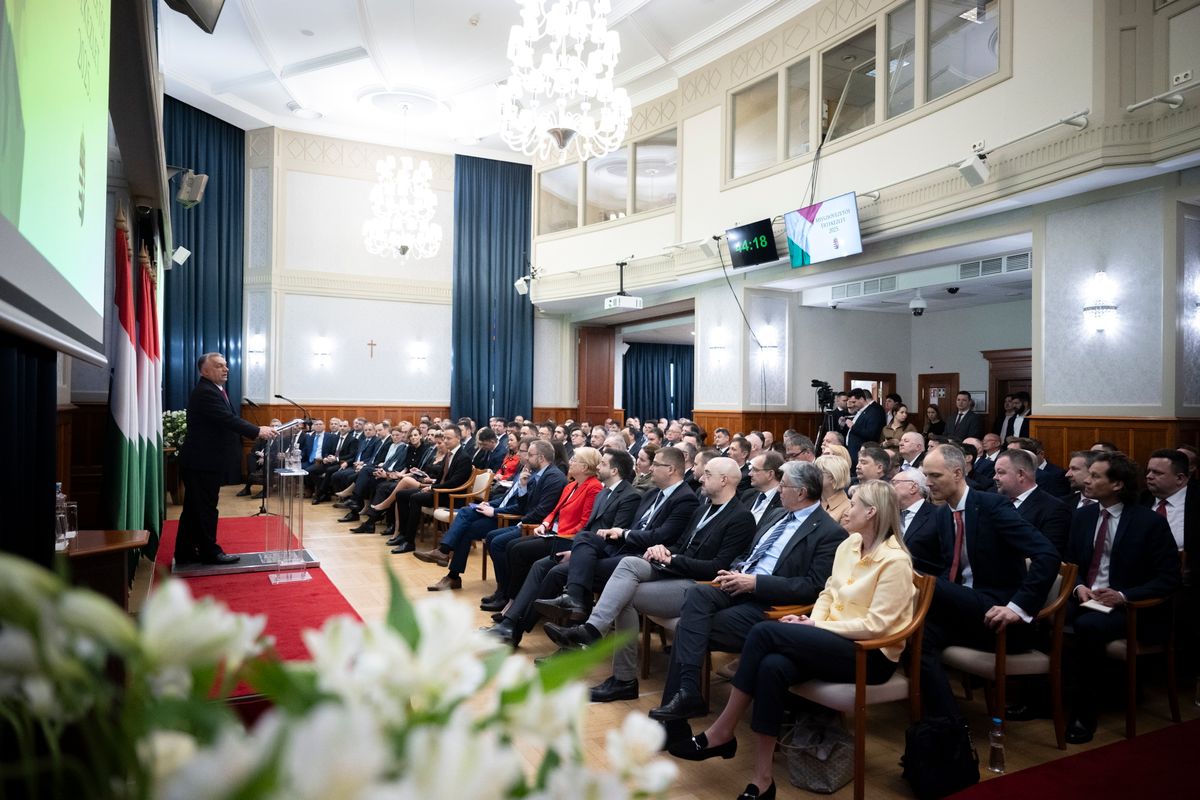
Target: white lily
{"x": 334, "y": 751}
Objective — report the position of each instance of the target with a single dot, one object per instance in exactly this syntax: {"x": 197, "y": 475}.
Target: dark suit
{"x": 1049, "y": 515}
{"x": 593, "y": 558}
{"x": 867, "y": 428}
{"x": 924, "y": 541}
{"x": 535, "y": 506}
{"x": 1143, "y": 564}
{"x": 971, "y": 425}
{"x": 984, "y": 469}
{"x": 1053, "y": 479}
{"x": 997, "y": 542}
{"x": 208, "y": 459}
{"x": 1191, "y": 521}
{"x": 749, "y": 497}
{"x": 713, "y": 619}
{"x": 489, "y": 459}
{"x": 455, "y": 471}
{"x": 1007, "y": 426}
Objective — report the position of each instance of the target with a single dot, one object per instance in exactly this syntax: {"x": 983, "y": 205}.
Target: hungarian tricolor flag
{"x": 149, "y": 400}
{"x": 124, "y": 467}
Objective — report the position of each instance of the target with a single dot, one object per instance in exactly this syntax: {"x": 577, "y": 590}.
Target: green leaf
{"x": 294, "y": 689}
{"x": 549, "y": 763}
{"x": 564, "y": 667}
{"x": 401, "y": 617}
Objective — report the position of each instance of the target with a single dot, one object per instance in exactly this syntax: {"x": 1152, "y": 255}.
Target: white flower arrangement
{"x": 422, "y": 705}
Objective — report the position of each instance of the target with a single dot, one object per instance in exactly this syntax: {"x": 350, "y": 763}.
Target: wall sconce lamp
{"x": 321, "y": 350}
{"x": 257, "y": 349}
{"x": 1100, "y": 307}
{"x": 418, "y": 353}
{"x": 718, "y": 345}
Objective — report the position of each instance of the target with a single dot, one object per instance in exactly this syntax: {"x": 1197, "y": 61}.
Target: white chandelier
{"x": 559, "y": 96}
{"x": 402, "y": 209}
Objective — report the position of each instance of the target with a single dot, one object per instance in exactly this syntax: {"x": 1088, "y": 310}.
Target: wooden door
{"x": 881, "y": 384}
{"x": 596, "y": 358}
{"x": 935, "y": 389}
{"x": 1009, "y": 372}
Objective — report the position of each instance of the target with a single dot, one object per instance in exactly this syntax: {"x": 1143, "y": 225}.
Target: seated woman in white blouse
{"x": 869, "y": 594}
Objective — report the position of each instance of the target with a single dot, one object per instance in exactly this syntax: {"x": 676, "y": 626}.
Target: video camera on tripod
{"x": 825, "y": 394}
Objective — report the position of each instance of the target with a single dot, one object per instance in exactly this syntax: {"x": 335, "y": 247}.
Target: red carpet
{"x": 1157, "y": 764}
{"x": 290, "y": 607}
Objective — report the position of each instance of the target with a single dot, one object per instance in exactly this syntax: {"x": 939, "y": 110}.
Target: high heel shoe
{"x": 752, "y": 793}
{"x": 697, "y": 749}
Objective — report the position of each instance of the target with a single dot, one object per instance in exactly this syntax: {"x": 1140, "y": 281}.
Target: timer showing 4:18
{"x": 755, "y": 243}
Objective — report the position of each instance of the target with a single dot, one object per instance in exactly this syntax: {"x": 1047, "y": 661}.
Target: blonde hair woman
{"x": 868, "y": 595}
{"x": 837, "y": 450}
{"x": 835, "y": 480}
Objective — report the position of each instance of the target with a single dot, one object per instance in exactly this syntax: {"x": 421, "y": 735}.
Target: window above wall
{"x": 638, "y": 178}
{"x": 910, "y": 59}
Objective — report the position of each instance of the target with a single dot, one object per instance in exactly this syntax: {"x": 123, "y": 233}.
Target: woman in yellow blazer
{"x": 869, "y": 594}
{"x": 835, "y": 474}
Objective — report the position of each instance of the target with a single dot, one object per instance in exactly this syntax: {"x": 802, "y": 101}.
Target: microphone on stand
{"x": 250, "y": 402}
{"x": 307, "y": 416}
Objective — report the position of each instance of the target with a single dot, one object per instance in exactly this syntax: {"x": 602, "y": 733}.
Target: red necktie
{"x": 1098, "y": 551}
{"x": 958, "y": 542}
{"x": 1162, "y": 508}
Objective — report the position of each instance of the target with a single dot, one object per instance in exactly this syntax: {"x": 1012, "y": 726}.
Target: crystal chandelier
{"x": 559, "y": 97}
{"x": 402, "y": 209}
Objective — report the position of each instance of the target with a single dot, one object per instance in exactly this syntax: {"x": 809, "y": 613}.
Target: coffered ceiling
{"x": 359, "y": 63}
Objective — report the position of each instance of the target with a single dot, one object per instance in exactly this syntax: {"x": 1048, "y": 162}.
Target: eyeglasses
{"x": 658, "y": 464}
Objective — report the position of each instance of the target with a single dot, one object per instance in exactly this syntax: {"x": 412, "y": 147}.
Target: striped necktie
{"x": 765, "y": 545}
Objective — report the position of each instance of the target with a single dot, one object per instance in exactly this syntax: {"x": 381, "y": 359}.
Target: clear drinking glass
{"x": 60, "y": 531}
{"x": 72, "y": 519}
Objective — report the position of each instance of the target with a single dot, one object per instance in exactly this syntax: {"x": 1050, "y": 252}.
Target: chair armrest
{"x": 779, "y": 612}
{"x": 504, "y": 520}
{"x": 883, "y": 641}
{"x": 527, "y": 528}
{"x": 1149, "y": 602}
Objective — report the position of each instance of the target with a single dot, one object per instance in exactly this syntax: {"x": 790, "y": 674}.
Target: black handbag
{"x": 939, "y": 757}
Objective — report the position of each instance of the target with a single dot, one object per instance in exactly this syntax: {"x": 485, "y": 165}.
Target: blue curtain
{"x": 491, "y": 355}
{"x": 657, "y": 380}
{"x": 203, "y": 298}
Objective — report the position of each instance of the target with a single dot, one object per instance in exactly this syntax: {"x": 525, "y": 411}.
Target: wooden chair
{"x": 855, "y": 697}
{"x": 995, "y": 667}
{"x": 1120, "y": 649}
{"x": 428, "y": 513}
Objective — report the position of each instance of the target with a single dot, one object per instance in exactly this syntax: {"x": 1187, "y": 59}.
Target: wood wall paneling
{"x": 1137, "y": 436}
{"x": 806, "y": 422}
{"x": 596, "y": 357}
{"x": 556, "y": 413}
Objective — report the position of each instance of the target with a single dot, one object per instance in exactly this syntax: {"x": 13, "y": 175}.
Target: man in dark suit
{"x": 208, "y": 460}
{"x": 918, "y": 523}
{"x": 488, "y": 454}
{"x": 912, "y": 450}
{"x": 866, "y": 425}
{"x": 533, "y": 493}
{"x": 615, "y": 507}
{"x": 1125, "y": 552}
{"x": 984, "y": 465}
{"x": 1172, "y": 495}
{"x": 656, "y": 581}
{"x": 261, "y": 460}
{"x": 1050, "y": 477}
{"x": 739, "y": 451}
{"x": 984, "y": 585}
{"x": 1014, "y": 422}
{"x": 788, "y": 562}
{"x": 312, "y": 444}
{"x": 341, "y": 454}
{"x": 763, "y": 495}
{"x": 1014, "y": 478}
{"x": 387, "y": 458}
{"x": 660, "y": 519}
{"x": 964, "y": 423}
{"x": 369, "y": 452}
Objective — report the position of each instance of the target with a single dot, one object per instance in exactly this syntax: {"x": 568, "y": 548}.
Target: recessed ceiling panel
{"x": 296, "y": 31}
{"x": 227, "y": 54}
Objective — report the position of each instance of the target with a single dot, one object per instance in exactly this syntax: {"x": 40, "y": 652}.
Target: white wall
{"x": 553, "y": 361}
{"x": 829, "y": 342}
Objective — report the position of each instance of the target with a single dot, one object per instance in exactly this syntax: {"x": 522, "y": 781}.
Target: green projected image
{"x": 54, "y": 133}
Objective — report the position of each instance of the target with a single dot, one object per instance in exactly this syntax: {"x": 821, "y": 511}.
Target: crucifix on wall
{"x": 371, "y": 345}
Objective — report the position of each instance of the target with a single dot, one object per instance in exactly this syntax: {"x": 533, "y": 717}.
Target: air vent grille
{"x": 1017, "y": 262}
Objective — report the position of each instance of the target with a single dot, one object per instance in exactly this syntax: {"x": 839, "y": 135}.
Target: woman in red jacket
{"x": 555, "y": 532}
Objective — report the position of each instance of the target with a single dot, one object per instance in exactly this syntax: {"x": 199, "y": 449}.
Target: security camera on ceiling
{"x": 918, "y": 305}
{"x": 952, "y": 290}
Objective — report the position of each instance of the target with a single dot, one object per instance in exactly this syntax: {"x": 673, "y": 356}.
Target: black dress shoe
{"x": 495, "y": 605}
{"x": 394, "y": 541}
{"x": 390, "y": 530}
{"x": 683, "y": 705}
{"x": 575, "y": 637}
{"x": 697, "y": 749}
{"x": 406, "y": 547}
{"x": 1080, "y": 732}
{"x": 562, "y": 609}
{"x": 320, "y": 498}
{"x": 752, "y": 793}
{"x": 505, "y": 632}
{"x": 499, "y": 615}
{"x": 259, "y": 496}
{"x": 350, "y": 516}
{"x": 366, "y": 527}
{"x": 220, "y": 558}
{"x": 244, "y": 492}
{"x": 489, "y": 598}
{"x": 340, "y": 504}
{"x": 613, "y": 689}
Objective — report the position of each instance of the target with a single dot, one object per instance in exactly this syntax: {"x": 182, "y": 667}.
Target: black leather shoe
{"x": 390, "y": 530}
{"x": 1080, "y": 732}
{"x": 259, "y": 496}
{"x": 697, "y": 749}
{"x": 366, "y": 527}
{"x": 561, "y": 610}
{"x": 320, "y": 498}
{"x": 682, "y": 706}
{"x": 490, "y": 598}
{"x": 244, "y": 492}
{"x": 340, "y": 504}
{"x": 505, "y": 632}
{"x": 406, "y": 547}
{"x": 575, "y": 637}
{"x": 495, "y": 605}
{"x": 350, "y": 516}
{"x": 220, "y": 558}
{"x": 394, "y": 541}
{"x": 499, "y": 615}
{"x": 613, "y": 689}
{"x": 752, "y": 793}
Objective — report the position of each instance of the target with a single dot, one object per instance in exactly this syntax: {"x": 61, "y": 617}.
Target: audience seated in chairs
{"x": 873, "y": 464}
{"x": 643, "y": 468}
{"x": 1015, "y": 480}
{"x": 765, "y": 471}
{"x": 835, "y": 483}
{"x": 868, "y": 595}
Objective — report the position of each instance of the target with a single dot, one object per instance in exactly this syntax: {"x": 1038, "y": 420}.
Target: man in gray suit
{"x": 787, "y": 563}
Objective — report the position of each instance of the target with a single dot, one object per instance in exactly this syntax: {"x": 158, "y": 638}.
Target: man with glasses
{"x": 788, "y": 562}
{"x": 798, "y": 447}
{"x": 763, "y": 495}
{"x": 660, "y": 519}
{"x": 918, "y": 522}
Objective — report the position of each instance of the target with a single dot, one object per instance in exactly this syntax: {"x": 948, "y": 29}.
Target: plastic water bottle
{"x": 996, "y": 747}
{"x": 294, "y": 457}
{"x": 60, "y": 499}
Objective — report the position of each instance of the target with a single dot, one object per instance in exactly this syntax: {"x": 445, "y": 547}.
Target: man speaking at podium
{"x": 209, "y": 459}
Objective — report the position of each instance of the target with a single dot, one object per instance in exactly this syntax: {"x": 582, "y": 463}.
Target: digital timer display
{"x": 752, "y": 244}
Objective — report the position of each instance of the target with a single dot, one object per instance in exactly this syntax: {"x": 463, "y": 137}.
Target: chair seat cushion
{"x": 840, "y": 696}
{"x": 983, "y": 662}
{"x": 1119, "y": 649}
{"x": 441, "y": 514}
{"x": 666, "y": 623}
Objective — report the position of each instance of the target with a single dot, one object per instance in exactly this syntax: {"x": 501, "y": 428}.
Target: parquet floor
{"x": 355, "y": 564}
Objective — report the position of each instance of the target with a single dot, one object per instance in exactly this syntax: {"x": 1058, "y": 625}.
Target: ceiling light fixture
{"x": 302, "y": 112}
{"x": 559, "y": 97}
{"x": 402, "y": 208}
